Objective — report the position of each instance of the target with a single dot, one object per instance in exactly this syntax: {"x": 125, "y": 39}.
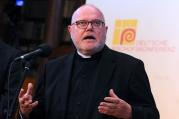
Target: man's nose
{"x": 90, "y": 26}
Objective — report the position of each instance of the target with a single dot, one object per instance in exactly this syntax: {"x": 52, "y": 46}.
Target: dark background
{"x": 36, "y": 22}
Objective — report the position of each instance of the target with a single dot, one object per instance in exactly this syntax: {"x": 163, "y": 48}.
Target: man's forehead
{"x": 84, "y": 11}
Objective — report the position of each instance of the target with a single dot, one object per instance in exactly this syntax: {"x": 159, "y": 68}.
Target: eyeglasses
{"x": 83, "y": 24}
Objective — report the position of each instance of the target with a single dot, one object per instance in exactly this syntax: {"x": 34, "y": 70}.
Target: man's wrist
{"x": 22, "y": 116}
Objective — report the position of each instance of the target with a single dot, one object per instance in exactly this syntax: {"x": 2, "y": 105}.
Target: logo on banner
{"x": 124, "y": 32}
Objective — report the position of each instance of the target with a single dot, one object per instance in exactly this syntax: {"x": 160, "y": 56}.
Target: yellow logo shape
{"x": 124, "y": 32}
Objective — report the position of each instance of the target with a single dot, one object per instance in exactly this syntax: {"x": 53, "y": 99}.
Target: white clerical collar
{"x": 82, "y": 55}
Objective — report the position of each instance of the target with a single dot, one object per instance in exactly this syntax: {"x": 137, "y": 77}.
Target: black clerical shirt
{"x": 82, "y": 82}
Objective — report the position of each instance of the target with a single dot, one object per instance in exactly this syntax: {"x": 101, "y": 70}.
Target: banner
{"x": 148, "y": 30}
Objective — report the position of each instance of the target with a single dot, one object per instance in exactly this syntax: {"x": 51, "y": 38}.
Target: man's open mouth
{"x": 89, "y": 38}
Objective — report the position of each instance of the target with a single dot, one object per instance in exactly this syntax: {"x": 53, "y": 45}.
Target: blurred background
{"x": 24, "y": 24}
{"x": 32, "y": 22}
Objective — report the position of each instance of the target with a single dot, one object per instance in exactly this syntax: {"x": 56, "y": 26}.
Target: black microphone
{"x": 42, "y": 50}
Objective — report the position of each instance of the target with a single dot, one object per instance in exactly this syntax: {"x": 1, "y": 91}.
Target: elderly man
{"x": 94, "y": 82}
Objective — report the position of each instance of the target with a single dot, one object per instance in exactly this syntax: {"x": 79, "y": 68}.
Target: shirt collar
{"x": 83, "y": 56}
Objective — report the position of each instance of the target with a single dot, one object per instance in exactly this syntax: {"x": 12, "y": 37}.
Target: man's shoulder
{"x": 8, "y": 52}
{"x": 61, "y": 59}
{"x": 124, "y": 58}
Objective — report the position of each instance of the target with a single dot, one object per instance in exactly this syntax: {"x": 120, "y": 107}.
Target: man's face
{"x": 90, "y": 39}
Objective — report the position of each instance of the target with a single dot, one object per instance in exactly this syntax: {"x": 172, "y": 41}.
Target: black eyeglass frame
{"x": 94, "y": 23}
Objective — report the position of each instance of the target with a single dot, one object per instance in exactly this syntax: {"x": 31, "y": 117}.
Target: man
{"x": 7, "y": 54}
{"x": 94, "y": 82}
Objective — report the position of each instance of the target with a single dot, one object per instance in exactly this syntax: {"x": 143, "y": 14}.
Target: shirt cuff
{"x": 20, "y": 114}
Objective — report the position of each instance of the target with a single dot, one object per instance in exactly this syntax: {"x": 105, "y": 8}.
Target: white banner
{"x": 148, "y": 30}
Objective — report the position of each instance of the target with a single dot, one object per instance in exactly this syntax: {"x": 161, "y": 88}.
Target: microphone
{"x": 42, "y": 50}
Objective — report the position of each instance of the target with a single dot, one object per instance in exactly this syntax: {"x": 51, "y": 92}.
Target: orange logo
{"x": 124, "y": 32}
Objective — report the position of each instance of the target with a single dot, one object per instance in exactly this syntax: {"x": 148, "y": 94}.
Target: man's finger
{"x": 109, "y": 105}
{"x": 29, "y": 89}
{"x": 105, "y": 110}
{"x": 34, "y": 104}
{"x": 21, "y": 93}
{"x": 112, "y": 94}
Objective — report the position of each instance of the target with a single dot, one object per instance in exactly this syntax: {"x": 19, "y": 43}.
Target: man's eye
{"x": 82, "y": 23}
{"x": 96, "y": 22}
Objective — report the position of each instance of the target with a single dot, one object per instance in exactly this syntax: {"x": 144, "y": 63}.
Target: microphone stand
{"x": 14, "y": 105}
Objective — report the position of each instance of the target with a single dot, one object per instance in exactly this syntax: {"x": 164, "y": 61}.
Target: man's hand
{"x": 25, "y": 101}
{"x": 114, "y": 106}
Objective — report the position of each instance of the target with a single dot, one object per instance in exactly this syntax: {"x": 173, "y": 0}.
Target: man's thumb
{"x": 112, "y": 94}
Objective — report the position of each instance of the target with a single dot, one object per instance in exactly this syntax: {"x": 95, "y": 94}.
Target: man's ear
{"x": 106, "y": 28}
{"x": 69, "y": 28}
